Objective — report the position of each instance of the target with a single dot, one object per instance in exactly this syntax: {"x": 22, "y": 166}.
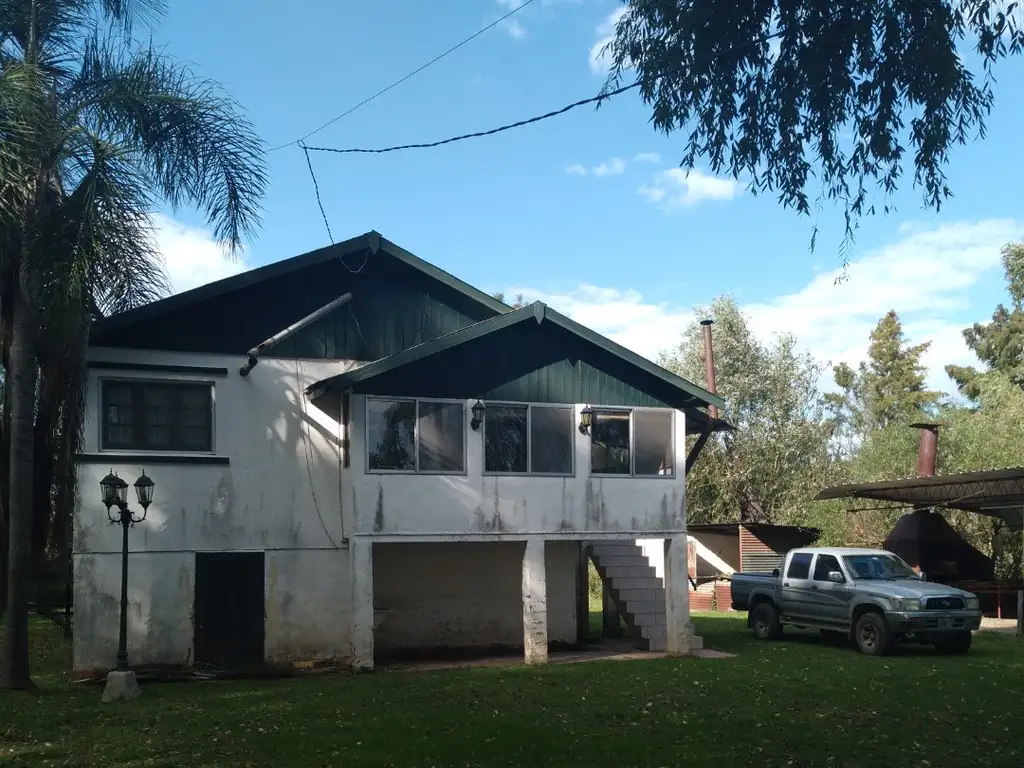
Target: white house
{"x": 410, "y": 469}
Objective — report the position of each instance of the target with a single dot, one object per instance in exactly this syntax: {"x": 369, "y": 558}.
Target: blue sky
{"x": 585, "y": 210}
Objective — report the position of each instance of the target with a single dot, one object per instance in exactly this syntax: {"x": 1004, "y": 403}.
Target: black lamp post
{"x": 115, "y": 494}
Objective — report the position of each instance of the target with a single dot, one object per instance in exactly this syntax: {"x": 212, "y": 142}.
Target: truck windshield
{"x": 878, "y": 567}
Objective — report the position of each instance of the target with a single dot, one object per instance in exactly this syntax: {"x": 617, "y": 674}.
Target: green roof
{"x": 399, "y": 371}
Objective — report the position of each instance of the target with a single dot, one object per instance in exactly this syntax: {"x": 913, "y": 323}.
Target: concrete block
{"x": 646, "y": 606}
{"x": 657, "y": 644}
{"x": 121, "y": 686}
{"x": 654, "y": 631}
{"x": 648, "y": 619}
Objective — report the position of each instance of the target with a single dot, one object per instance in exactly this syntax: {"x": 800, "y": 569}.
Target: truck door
{"x": 831, "y": 601}
{"x": 795, "y": 594}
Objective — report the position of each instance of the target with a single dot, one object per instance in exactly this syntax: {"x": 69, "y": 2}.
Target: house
{"x": 415, "y": 466}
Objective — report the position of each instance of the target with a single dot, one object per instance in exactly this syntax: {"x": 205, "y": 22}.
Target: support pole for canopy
{"x": 1020, "y": 591}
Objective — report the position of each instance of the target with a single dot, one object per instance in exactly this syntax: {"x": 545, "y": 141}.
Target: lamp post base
{"x": 121, "y": 686}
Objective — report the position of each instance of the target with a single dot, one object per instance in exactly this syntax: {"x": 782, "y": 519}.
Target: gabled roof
{"x": 371, "y": 242}
{"x": 674, "y": 390}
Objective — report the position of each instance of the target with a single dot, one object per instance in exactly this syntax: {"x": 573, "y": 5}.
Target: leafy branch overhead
{"x": 849, "y": 92}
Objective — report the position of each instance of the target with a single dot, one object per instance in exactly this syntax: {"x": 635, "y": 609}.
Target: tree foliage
{"x": 766, "y": 90}
{"x": 999, "y": 344}
{"x": 779, "y": 456}
{"x": 888, "y": 388}
{"x": 95, "y": 129}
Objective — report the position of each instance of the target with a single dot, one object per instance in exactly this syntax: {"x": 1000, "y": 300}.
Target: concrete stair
{"x": 635, "y": 589}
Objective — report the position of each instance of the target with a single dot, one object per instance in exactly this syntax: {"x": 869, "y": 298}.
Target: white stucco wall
{"x": 477, "y": 504}
{"x": 466, "y": 594}
{"x": 263, "y": 500}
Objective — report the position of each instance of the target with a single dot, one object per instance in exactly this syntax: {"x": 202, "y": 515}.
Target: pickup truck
{"x": 867, "y": 596}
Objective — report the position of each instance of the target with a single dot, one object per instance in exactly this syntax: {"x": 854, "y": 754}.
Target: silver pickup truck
{"x": 869, "y": 596}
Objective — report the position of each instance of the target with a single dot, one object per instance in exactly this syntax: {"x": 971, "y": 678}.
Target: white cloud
{"x": 647, "y": 157}
{"x": 675, "y": 188}
{"x": 191, "y": 256}
{"x": 925, "y": 276}
{"x": 576, "y": 169}
{"x": 612, "y": 167}
{"x": 600, "y": 52}
{"x": 515, "y": 29}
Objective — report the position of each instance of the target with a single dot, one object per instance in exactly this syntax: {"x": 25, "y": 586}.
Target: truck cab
{"x": 870, "y": 597}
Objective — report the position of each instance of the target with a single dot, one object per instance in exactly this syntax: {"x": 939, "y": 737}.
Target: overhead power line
{"x": 477, "y": 134}
{"x": 398, "y": 82}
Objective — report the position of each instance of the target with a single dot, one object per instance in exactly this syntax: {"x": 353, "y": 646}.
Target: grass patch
{"x": 790, "y": 703}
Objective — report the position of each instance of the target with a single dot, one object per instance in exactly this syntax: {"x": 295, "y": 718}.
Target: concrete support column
{"x": 361, "y": 557}
{"x": 681, "y": 640}
{"x": 535, "y": 604}
{"x": 582, "y": 594}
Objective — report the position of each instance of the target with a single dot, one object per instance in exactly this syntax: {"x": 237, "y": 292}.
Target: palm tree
{"x": 115, "y": 127}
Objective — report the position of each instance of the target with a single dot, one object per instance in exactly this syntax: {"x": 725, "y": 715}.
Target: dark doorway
{"x": 229, "y": 610}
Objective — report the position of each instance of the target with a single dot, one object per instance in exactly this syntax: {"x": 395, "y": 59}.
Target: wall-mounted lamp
{"x": 586, "y": 419}
{"x": 478, "y": 415}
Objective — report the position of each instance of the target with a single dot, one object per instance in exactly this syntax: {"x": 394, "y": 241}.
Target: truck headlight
{"x": 906, "y": 603}
{"x": 972, "y": 603}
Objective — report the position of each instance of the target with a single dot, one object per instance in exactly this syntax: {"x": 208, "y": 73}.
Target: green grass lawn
{"x": 792, "y": 703}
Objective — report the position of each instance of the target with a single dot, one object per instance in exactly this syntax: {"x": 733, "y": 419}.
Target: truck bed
{"x": 742, "y": 584}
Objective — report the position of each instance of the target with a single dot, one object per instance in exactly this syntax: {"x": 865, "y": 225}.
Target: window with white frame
{"x": 410, "y": 435}
{"x": 528, "y": 439}
{"x": 140, "y": 415}
{"x": 637, "y": 442}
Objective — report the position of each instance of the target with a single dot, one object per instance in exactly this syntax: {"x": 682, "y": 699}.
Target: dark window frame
{"x": 817, "y": 562}
{"x": 367, "y": 399}
{"x": 529, "y": 438}
{"x": 138, "y": 444}
{"x": 792, "y": 561}
{"x": 632, "y": 442}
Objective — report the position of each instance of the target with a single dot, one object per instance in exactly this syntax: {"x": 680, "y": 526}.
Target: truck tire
{"x": 871, "y": 634}
{"x": 765, "y": 621}
{"x": 956, "y": 643}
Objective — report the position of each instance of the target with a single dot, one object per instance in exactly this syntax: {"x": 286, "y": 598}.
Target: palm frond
{"x": 190, "y": 137}
{"x": 20, "y": 108}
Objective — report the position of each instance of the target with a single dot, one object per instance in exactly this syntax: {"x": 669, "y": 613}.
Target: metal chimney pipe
{"x": 926, "y": 449}
{"x": 709, "y": 364}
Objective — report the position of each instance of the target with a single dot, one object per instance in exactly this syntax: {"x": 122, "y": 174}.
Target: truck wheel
{"x": 765, "y": 620}
{"x": 957, "y": 643}
{"x": 871, "y": 634}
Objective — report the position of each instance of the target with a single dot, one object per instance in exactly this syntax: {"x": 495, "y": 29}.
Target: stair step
{"x": 654, "y": 631}
{"x": 630, "y": 572}
{"x": 645, "y": 606}
{"x": 658, "y": 644}
{"x": 630, "y": 595}
{"x": 648, "y": 619}
{"x": 609, "y": 561}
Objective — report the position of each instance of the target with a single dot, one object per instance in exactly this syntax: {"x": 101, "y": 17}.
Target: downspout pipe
{"x": 709, "y": 364}
{"x": 254, "y": 353}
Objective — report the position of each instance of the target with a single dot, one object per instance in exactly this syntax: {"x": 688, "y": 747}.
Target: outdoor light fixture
{"x": 121, "y": 682}
{"x": 478, "y": 415}
{"x": 586, "y": 419}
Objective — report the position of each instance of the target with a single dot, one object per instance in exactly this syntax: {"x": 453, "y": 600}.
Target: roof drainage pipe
{"x": 277, "y": 338}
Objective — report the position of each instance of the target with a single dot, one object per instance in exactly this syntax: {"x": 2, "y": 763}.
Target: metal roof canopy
{"x": 995, "y": 492}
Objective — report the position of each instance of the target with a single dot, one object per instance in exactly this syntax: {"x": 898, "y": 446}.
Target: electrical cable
{"x": 477, "y": 134}
{"x": 398, "y": 82}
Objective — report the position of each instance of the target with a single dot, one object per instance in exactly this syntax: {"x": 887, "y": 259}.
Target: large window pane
{"x": 652, "y": 442}
{"x": 442, "y": 437}
{"x": 505, "y": 438}
{"x": 391, "y": 434}
{"x": 609, "y": 443}
{"x": 157, "y": 416}
{"x": 551, "y": 440}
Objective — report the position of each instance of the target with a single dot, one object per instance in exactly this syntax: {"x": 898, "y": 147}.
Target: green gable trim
{"x": 370, "y": 243}
{"x": 680, "y": 392}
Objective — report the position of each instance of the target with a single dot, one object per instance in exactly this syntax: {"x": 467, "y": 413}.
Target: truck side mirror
{"x": 776, "y": 573}
{"x": 836, "y": 577}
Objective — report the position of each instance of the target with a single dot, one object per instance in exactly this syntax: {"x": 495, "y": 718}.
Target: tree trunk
{"x": 21, "y": 385}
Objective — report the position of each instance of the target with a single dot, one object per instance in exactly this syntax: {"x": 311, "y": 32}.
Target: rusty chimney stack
{"x": 709, "y": 364}
{"x": 926, "y": 449}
